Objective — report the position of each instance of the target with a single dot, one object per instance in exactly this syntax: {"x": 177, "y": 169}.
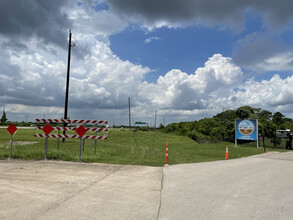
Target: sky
{"x": 185, "y": 60}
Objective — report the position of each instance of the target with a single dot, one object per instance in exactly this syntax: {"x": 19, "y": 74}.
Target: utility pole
{"x": 129, "y": 112}
{"x": 155, "y": 119}
{"x": 67, "y": 81}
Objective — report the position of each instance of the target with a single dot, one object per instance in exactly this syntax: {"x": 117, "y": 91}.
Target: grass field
{"x": 122, "y": 147}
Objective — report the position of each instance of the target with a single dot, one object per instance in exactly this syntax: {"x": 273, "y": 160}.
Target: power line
{"x": 155, "y": 119}
{"x": 46, "y": 18}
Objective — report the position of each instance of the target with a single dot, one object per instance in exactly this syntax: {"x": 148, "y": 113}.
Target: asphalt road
{"x": 258, "y": 187}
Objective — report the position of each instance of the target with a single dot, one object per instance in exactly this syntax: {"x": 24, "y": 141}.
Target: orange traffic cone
{"x": 227, "y": 154}
{"x": 166, "y": 157}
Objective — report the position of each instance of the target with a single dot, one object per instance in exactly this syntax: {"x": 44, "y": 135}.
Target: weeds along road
{"x": 258, "y": 187}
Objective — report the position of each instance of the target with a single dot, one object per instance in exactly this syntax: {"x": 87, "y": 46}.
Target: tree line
{"x": 221, "y": 127}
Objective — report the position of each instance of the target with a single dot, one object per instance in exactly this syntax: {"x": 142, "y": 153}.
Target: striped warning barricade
{"x": 72, "y": 129}
{"x": 69, "y": 121}
{"x": 72, "y": 136}
{"x": 79, "y": 129}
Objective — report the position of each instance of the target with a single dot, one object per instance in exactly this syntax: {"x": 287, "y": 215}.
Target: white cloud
{"x": 103, "y": 81}
{"x": 33, "y": 72}
{"x": 267, "y": 93}
{"x": 101, "y": 84}
{"x": 99, "y": 81}
{"x": 215, "y": 86}
{"x": 88, "y": 20}
{"x": 261, "y": 51}
{"x": 174, "y": 13}
{"x": 150, "y": 39}
{"x": 279, "y": 62}
{"x": 180, "y": 91}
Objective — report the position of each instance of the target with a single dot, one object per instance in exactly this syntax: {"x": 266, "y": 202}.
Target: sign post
{"x": 11, "y": 129}
{"x": 96, "y": 141}
{"x": 58, "y": 140}
{"x": 83, "y": 145}
{"x": 47, "y": 129}
{"x": 46, "y": 147}
{"x": 80, "y": 131}
{"x": 79, "y": 160}
{"x": 246, "y": 129}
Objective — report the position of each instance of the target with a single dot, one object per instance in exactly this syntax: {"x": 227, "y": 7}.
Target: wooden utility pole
{"x": 155, "y": 119}
{"x": 67, "y": 81}
{"x": 129, "y": 112}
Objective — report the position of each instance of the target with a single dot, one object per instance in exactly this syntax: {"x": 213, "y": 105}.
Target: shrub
{"x": 198, "y": 137}
{"x": 144, "y": 128}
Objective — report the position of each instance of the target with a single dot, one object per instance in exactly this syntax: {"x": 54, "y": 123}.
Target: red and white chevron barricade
{"x": 72, "y": 129}
{"x": 72, "y": 136}
{"x": 68, "y": 121}
{"x": 79, "y": 129}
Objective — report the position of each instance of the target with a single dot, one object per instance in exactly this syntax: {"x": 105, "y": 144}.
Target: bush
{"x": 198, "y": 137}
{"x": 144, "y": 128}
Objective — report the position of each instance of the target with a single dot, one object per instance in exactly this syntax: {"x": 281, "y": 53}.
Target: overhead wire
{"x": 46, "y": 18}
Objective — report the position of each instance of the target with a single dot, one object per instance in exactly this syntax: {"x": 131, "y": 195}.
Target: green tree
{"x": 265, "y": 115}
{"x": 207, "y": 126}
{"x": 278, "y": 118}
{"x": 244, "y": 112}
{"x": 267, "y": 129}
{"x": 222, "y": 126}
{"x": 227, "y": 119}
{"x": 3, "y": 118}
{"x": 218, "y": 133}
{"x": 182, "y": 128}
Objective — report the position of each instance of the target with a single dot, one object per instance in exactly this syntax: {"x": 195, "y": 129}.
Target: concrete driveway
{"x": 258, "y": 187}
{"x": 64, "y": 190}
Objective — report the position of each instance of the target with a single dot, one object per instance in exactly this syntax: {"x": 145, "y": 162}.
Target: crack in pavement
{"x": 161, "y": 191}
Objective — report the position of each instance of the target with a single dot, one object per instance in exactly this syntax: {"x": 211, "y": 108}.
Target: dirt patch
{"x": 24, "y": 142}
{"x": 143, "y": 147}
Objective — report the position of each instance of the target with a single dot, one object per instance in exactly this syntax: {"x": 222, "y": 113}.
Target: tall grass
{"x": 122, "y": 147}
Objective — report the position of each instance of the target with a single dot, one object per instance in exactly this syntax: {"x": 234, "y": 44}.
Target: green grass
{"x": 122, "y": 147}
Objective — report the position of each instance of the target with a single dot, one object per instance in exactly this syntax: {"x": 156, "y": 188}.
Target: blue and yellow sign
{"x": 246, "y": 129}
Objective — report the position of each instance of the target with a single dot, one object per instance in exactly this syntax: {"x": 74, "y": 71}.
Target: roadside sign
{"x": 246, "y": 129}
{"x": 48, "y": 129}
{"x": 12, "y": 129}
{"x": 80, "y": 131}
{"x": 283, "y": 133}
{"x": 140, "y": 123}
